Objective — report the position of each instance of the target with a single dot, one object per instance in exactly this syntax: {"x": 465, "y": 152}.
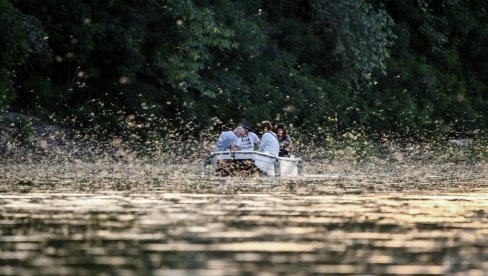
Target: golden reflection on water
{"x": 399, "y": 234}
{"x": 153, "y": 223}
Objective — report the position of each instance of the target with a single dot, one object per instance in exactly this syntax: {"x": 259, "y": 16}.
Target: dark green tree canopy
{"x": 119, "y": 67}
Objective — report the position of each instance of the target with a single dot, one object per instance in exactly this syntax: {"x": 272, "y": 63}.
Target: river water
{"x": 153, "y": 219}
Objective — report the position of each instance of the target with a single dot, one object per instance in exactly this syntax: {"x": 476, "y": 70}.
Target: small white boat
{"x": 265, "y": 163}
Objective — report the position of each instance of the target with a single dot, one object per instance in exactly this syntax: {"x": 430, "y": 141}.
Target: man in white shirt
{"x": 229, "y": 140}
{"x": 248, "y": 139}
{"x": 269, "y": 141}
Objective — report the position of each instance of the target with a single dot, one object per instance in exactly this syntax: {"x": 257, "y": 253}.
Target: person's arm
{"x": 218, "y": 145}
{"x": 239, "y": 143}
{"x": 262, "y": 144}
{"x": 256, "y": 139}
{"x": 288, "y": 144}
{"x": 236, "y": 144}
{"x": 285, "y": 143}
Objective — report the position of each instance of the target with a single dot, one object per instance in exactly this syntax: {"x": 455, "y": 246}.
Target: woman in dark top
{"x": 284, "y": 139}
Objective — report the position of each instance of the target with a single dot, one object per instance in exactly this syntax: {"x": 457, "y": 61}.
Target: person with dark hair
{"x": 269, "y": 140}
{"x": 284, "y": 140}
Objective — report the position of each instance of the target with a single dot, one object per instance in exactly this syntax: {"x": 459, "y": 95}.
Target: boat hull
{"x": 267, "y": 164}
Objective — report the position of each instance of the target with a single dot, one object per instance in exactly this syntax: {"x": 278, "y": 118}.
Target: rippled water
{"x": 128, "y": 219}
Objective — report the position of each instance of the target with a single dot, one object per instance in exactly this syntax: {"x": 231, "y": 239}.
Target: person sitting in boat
{"x": 269, "y": 140}
{"x": 248, "y": 139}
{"x": 229, "y": 140}
{"x": 284, "y": 139}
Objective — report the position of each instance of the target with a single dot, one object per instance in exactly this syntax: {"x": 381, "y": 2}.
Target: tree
{"x": 358, "y": 36}
{"x": 21, "y": 39}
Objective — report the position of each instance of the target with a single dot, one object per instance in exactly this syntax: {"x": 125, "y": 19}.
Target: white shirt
{"x": 269, "y": 143}
{"x": 226, "y": 140}
{"x": 247, "y": 143}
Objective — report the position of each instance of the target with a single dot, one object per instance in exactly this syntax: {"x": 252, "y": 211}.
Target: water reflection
{"x": 153, "y": 223}
{"x": 223, "y": 234}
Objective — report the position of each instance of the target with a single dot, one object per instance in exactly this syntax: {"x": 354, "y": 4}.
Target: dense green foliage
{"x": 409, "y": 68}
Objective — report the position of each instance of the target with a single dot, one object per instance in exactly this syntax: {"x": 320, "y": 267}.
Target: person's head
{"x": 281, "y": 130}
{"x": 266, "y": 126}
{"x": 247, "y": 129}
{"x": 239, "y": 131}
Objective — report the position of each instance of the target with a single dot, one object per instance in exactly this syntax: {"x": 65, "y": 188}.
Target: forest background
{"x": 142, "y": 70}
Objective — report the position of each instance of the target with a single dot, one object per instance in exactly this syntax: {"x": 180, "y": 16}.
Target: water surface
{"x": 128, "y": 219}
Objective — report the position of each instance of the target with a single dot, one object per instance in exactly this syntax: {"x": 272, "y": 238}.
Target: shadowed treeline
{"x": 138, "y": 70}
